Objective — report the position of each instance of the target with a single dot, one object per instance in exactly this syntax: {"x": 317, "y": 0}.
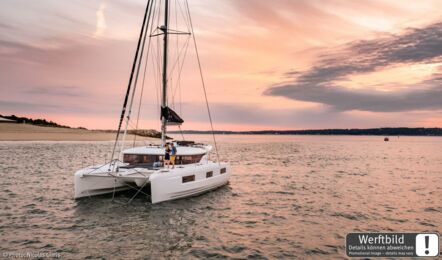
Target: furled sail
{"x": 172, "y": 118}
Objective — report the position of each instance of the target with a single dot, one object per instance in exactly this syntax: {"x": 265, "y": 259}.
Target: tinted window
{"x": 149, "y": 159}
{"x": 188, "y": 159}
{"x": 209, "y": 174}
{"x": 188, "y": 178}
{"x": 140, "y": 158}
{"x": 223, "y": 170}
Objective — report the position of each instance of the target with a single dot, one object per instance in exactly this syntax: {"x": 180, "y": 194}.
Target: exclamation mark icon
{"x": 427, "y": 244}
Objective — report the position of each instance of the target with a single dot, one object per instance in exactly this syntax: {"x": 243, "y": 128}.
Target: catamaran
{"x": 140, "y": 166}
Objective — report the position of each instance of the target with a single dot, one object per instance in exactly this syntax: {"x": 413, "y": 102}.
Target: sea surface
{"x": 288, "y": 197}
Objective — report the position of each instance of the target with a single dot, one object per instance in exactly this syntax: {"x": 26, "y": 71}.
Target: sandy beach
{"x": 26, "y": 132}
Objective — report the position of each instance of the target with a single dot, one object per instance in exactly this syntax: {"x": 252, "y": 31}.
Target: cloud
{"x": 26, "y": 106}
{"x": 101, "y": 21}
{"x": 253, "y": 115}
{"x": 319, "y": 84}
{"x": 60, "y": 91}
{"x": 53, "y": 106}
{"x": 6, "y": 26}
{"x": 342, "y": 99}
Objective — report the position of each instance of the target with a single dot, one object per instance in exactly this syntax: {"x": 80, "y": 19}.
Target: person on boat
{"x": 167, "y": 156}
{"x": 172, "y": 155}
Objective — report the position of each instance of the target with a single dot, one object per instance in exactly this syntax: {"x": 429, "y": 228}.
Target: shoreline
{"x": 383, "y": 131}
{"x": 26, "y": 132}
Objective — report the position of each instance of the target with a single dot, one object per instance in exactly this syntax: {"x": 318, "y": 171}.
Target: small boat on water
{"x": 136, "y": 167}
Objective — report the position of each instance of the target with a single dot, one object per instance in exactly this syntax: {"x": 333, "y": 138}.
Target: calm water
{"x": 289, "y": 197}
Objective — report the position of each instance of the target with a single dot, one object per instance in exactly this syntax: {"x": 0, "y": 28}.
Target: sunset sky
{"x": 282, "y": 64}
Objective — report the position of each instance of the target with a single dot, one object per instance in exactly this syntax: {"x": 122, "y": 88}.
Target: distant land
{"x": 37, "y": 122}
{"x": 384, "y": 131}
{"x": 50, "y": 124}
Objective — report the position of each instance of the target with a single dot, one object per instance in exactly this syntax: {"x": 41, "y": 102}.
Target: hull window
{"x": 188, "y": 178}
{"x": 223, "y": 170}
{"x": 209, "y": 174}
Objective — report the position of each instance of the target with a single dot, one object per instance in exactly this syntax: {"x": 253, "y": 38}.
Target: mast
{"x": 164, "y": 28}
{"x": 123, "y": 111}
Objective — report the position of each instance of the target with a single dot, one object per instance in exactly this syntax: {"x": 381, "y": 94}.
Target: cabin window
{"x": 140, "y": 158}
{"x": 150, "y": 159}
{"x": 209, "y": 174}
{"x": 188, "y": 178}
{"x": 223, "y": 170}
{"x": 188, "y": 159}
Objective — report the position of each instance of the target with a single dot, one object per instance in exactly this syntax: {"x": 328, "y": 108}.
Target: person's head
{"x": 171, "y": 144}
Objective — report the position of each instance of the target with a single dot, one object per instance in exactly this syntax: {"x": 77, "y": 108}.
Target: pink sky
{"x": 280, "y": 64}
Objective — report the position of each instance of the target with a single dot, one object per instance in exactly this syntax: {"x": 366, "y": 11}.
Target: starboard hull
{"x": 180, "y": 184}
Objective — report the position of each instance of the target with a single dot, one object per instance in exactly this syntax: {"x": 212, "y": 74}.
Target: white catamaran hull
{"x": 171, "y": 186}
{"x": 166, "y": 184}
{"x": 86, "y": 186}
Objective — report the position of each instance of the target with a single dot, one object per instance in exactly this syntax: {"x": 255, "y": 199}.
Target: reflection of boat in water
{"x": 137, "y": 167}
{"x": 386, "y": 139}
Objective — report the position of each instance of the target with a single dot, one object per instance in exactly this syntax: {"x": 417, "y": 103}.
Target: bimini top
{"x": 158, "y": 150}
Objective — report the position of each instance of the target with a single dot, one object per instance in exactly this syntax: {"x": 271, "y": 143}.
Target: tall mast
{"x": 164, "y": 98}
{"x": 123, "y": 111}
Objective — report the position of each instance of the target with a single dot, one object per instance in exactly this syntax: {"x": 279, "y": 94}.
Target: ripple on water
{"x": 289, "y": 197}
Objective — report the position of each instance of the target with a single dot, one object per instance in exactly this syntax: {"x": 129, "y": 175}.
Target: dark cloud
{"x": 416, "y": 46}
{"x": 14, "y": 51}
{"x": 6, "y": 26}
{"x": 20, "y": 106}
{"x": 61, "y": 91}
{"x": 23, "y": 106}
{"x": 342, "y": 99}
{"x": 10, "y": 47}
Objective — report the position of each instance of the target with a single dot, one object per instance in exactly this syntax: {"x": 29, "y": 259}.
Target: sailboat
{"x": 140, "y": 166}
